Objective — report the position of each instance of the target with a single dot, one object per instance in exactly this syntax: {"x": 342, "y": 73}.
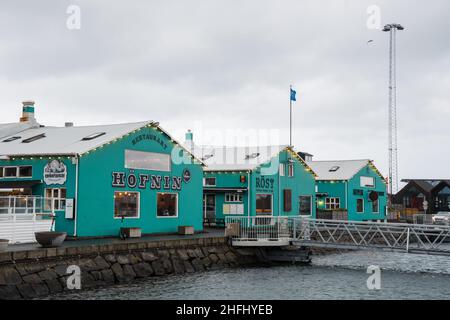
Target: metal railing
{"x": 22, "y": 216}
{"x": 305, "y": 231}
{"x": 260, "y": 228}
{"x": 28, "y": 207}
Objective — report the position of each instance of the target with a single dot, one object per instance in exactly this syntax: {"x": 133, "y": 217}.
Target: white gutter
{"x": 248, "y": 193}
{"x": 346, "y": 197}
{"x": 76, "y": 196}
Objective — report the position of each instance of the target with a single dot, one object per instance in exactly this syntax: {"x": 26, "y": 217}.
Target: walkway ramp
{"x": 308, "y": 232}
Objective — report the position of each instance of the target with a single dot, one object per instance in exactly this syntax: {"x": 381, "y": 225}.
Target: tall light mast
{"x": 393, "y": 166}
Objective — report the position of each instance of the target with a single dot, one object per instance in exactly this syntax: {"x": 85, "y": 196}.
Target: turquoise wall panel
{"x": 96, "y": 193}
{"x": 38, "y": 164}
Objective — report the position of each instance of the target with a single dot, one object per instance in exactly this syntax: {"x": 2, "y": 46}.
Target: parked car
{"x": 442, "y": 217}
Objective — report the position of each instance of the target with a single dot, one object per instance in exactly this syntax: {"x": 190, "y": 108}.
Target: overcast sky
{"x": 227, "y": 65}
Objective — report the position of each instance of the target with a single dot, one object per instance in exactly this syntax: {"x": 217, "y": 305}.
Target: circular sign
{"x": 373, "y": 196}
{"x": 55, "y": 172}
{"x": 186, "y": 175}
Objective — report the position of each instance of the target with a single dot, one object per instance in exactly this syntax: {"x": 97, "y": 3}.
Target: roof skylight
{"x": 11, "y": 139}
{"x": 93, "y": 136}
{"x": 334, "y": 169}
{"x": 207, "y": 156}
{"x": 34, "y": 138}
{"x": 252, "y": 156}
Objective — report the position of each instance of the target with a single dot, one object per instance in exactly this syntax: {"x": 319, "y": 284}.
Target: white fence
{"x": 22, "y": 216}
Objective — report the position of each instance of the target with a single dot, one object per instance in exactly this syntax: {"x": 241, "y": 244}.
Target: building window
{"x": 305, "y": 205}
{"x": 264, "y": 204}
{"x": 233, "y": 197}
{"x": 282, "y": 170}
{"x": 287, "y": 196}
{"x": 16, "y": 172}
{"x": 209, "y": 182}
{"x": 376, "y": 206}
{"x": 368, "y": 182}
{"x": 360, "y": 205}
{"x": 55, "y": 199}
{"x": 147, "y": 160}
{"x": 167, "y": 205}
{"x": 126, "y": 204}
{"x": 291, "y": 170}
{"x": 406, "y": 202}
{"x": 26, "y": 172}
{"x": 332, "y": 203}
{"x": 10, "y": 172}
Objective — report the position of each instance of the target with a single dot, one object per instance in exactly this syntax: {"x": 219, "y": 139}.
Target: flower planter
{"x": 50, "y": 238}
{"x": 3, "y": 244}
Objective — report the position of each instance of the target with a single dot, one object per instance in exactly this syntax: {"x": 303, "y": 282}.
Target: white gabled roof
{"x": 346, "y": 168}
{"x": 7, "y": 129}
{"x": 235, "y": 158}
{"x": 238, "y": 158}
{"x": 64, "y": 140}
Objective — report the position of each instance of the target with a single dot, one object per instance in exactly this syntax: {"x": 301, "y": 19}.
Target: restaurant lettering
{"x": 149, "y": 137}
{"x": 264, "y": 183}
{"x": 143, "y": 181}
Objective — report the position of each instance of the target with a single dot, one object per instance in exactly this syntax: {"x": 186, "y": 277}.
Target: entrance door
{"x": 209, "y": 207}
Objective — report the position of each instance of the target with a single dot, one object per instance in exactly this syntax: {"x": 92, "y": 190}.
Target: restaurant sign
{"x": 142, "y": 181}
{"x": 55, "y": 172}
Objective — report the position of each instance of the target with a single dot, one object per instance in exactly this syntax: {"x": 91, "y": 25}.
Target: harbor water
{"x": 334, "y": 276}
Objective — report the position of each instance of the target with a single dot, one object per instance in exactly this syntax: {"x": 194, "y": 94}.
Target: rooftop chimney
{"x": 189, "y": 135}
{"x": 28, "y": 112}
{"x": 189, "y": 141}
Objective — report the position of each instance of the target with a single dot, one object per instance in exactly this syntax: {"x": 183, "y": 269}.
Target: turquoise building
{"x": 254, "y": 181}
{"x": 97, "y": 179}
{"x": 352, "y": 186}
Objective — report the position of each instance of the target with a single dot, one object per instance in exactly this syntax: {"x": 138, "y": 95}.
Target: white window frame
{"x": 237, "y": 204}
{"x": 362, "y": 205}
{"x": 271, "y": 205}
{"x": 290, "y": 170}
{"x": 310, "y": 205}
{"x": 138, "y": 205}
{"x": 9, "y": 167}
{"x": 177, "y": 203}
{"x": 332, "y": 203}
{"x": 233, "y": 198}
{"x": 54, "y": 198}
{"x": 209, "y": 185}
{"x": 167, "y": 156}
{"x": 282, "y": 170}
{"x": 18, "y": 172}
{"x": 363, "y": 182}
{"x": 378, "y": 206}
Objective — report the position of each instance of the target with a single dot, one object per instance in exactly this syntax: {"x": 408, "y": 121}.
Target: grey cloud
{"x": 229, "y": 64}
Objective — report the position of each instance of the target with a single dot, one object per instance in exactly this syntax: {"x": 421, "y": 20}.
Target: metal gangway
{"x": 309, "y": 232}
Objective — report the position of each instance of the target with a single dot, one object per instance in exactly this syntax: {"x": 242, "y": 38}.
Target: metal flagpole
{"x": 290, "y": 115}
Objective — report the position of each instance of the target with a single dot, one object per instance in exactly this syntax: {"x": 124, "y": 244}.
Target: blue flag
{"x": 293, "y": 95}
